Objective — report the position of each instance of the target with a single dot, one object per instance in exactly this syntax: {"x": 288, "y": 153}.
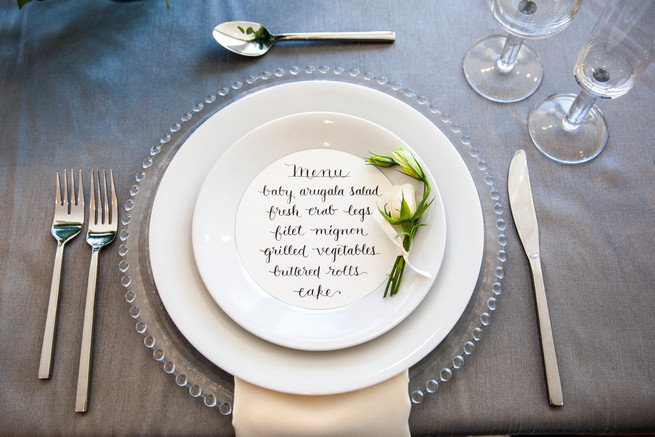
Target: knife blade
{"x": 525, "y": 218}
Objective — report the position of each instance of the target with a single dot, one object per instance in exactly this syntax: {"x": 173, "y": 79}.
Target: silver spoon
{"x": 253, "y": 39}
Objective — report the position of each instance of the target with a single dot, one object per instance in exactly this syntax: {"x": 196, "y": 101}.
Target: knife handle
{"x": 547, "y": 343}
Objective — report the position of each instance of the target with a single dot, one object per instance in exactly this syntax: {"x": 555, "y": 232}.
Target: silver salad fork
{"x": 67, "y": 223}
{"x": 103, "y": 224}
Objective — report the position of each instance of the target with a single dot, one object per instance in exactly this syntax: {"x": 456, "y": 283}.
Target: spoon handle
{"x": 340, "y": 36}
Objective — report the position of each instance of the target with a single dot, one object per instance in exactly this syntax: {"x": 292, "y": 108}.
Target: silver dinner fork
{"x": 103, "y": 224}
{"x": 67, "y": 223}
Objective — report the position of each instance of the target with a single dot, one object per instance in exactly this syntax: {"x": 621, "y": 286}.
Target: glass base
{"x": 484, "y": 76}
{"x": 560, "y": 144}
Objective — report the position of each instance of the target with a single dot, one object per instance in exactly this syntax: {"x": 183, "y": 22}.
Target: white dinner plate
{"x": 233, "y": 230}
{"x": 222, "y": 341}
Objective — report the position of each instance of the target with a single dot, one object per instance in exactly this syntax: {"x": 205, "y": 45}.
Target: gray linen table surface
{"x": 93, "y": 84}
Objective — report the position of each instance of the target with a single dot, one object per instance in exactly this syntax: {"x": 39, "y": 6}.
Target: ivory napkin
{"x": 379, "y": 410}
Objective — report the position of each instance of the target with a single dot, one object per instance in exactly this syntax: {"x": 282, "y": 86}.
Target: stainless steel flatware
{"x": 67, "y": 223}
{"x": 525, "y": 217}
{"x": 253, "y": 39}
{"x": 103, "y": 224}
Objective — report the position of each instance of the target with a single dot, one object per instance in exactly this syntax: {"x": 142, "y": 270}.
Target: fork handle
{"x": 45, "y": 363}
{"x": 84, "y": 371}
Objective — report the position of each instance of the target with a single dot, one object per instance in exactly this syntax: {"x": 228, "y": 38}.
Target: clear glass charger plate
{"x": 192, "y": 370}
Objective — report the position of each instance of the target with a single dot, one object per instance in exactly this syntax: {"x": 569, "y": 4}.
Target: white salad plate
{"x": 225, "y": 343}
{"x": 232, "y": 231}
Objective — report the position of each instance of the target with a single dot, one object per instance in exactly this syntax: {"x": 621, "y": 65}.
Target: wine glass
{"x": 571, "y": 129}
{"x": 502, "y": 68}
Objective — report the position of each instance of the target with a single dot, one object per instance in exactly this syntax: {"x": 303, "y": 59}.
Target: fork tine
{"x": 58, "y": 199}
{"x": 71, "y": 195}
{"x": 114, "y": 199}
{"x": 80, "y": 191}
{"x": 67, "y": 194}
{"x": 92, "y": 207}
{"x": 105, "y": 204}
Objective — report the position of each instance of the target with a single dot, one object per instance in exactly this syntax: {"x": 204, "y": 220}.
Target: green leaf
{"x": 241, "y": 29}
{"x": 403, "y": 234}
{"x": 405, "y": 213}
{"x": 388, "y": 218}
{"x": 421, "y": 208}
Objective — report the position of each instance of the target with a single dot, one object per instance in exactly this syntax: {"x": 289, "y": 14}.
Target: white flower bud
{"x": 396, "y": 196}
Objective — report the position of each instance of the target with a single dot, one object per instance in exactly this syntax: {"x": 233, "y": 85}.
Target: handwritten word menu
{"x": 306, "y": 230}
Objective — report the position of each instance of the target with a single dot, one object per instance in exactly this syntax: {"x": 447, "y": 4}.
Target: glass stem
{"x": 578, "y": 111}
{"x": 507, "y": 59}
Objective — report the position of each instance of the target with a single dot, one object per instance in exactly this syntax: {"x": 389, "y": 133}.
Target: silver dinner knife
{"x": 525, "y": 218}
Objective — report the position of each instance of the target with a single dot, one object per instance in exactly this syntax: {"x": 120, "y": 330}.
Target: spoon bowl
{"x": 252, "y": 39}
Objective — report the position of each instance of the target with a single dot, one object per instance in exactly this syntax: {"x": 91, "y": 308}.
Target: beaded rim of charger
{"x": 214, "y": 394}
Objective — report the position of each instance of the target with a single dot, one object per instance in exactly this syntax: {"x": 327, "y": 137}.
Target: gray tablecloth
{"x": 93, "y": 84}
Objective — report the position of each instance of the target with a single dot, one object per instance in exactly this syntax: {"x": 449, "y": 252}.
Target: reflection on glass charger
{"x": 571, "y": 129}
